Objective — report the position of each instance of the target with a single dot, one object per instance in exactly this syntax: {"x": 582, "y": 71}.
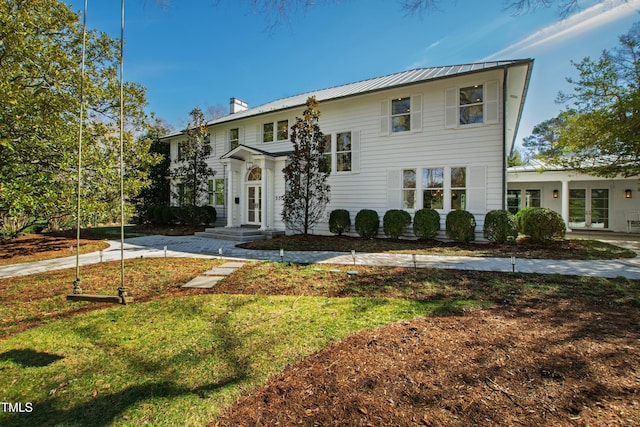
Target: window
{"x": 432, "y": 184}
{"x": 401, "y": 115}
{"x": 471, "y": 104}
{"x": 234, "y": 138}
{"x": 409, "y": 188}
{"x": 283, "y": 130}
{"x": 513, "y": 200}
{"x": 327, "y": 153}
{"x": 458, "y": 188}
{"x": 532, "y": 198}
{"x": 343, "y": 152}
{"x": 267, "y": 132}
{"x": 255, "y": 174}
{"x": 181, "y": 148}
{"x": 210, "y": 190}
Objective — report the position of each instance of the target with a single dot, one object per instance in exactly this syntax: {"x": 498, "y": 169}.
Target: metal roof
{"x": 371, "y": 85}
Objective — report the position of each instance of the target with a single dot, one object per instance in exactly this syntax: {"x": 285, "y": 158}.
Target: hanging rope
{"x": 76, "y": 283}
{"x": 122, "y": 290}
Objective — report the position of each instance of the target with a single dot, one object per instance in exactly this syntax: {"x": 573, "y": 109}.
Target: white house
{"x": 432, "y": 137}
{"x": 585, "y": 202}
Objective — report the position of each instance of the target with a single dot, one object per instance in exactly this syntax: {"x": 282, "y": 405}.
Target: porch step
{"x": 240, "y": 234}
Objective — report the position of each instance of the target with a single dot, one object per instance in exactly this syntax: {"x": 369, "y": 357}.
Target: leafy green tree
{"x": 307, "y": 192}
{"x": 597, "y": 133}
{"x": 158, "y": 192}
{"x": 515, "y": 159}
{"x": 40, "y": 85}
{"x": 192, "y": 172}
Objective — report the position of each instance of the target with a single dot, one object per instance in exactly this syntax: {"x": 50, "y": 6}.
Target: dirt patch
{"x": 35, "y": 247}
{"x": 552, "y": 363}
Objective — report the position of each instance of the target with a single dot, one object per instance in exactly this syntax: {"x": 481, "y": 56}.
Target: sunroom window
{"x": 409, "y": 188}
{"x": 458, "y": 188}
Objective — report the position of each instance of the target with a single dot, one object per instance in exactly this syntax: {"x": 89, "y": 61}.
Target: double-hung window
{"x": 267, "y": 132}
{"x": 234, "y": 138}
{"x": 459, "y": 188}
{"x": 283, "y": 130}
{"x": 409, "y": 188}
{"x": 343, "y": 152}
{"x": 326, "y": 152}
{"x": 401, "y": 114}
{"x": 433, "y": 188}
{"x": 471, "y": 104}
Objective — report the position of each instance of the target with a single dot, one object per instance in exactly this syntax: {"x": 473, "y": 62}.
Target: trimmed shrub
{"x": 395, "y": 222}
{"x": 339, "y": 221}
{"x": 543, "y": 225}
{"x": 499, "y": 226}
{"x": 461, "y": 226}
{"x": 520, "y": 218}
{"x": 209, "y": 215}
{"x": 426, "y": 223}
{"x": 367, "y": 223}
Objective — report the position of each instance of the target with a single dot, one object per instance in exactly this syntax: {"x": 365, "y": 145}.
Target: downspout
{"x": 504, "y": 137}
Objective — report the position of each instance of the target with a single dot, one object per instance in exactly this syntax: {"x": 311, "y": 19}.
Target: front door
{"x": 589, "y": 208}
{"x": 254, "y": 204}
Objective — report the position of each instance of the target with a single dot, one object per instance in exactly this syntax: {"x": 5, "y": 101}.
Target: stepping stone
{"x": 203, "y": 282}
{"x": 232, "y": 264}
{"x": 220, "y": 271}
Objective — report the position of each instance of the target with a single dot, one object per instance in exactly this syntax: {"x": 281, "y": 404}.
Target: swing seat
{"x": 122, "y": 297}
{"x": 117, "y": 299}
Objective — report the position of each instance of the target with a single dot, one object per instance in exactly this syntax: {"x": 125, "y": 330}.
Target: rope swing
{"x": 77, "y": 295}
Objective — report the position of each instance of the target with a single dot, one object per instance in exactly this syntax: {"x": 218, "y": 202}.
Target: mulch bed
{"x": 548, "y": 363}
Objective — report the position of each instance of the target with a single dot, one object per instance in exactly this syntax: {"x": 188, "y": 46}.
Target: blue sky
{"x": 199, "y": 53}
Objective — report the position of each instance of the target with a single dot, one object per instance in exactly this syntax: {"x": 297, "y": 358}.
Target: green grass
{"x": 173, "y": 361}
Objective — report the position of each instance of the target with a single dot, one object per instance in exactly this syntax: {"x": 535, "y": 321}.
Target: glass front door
{"x": 589, "y": 208}
{"x": 254, "y": 204}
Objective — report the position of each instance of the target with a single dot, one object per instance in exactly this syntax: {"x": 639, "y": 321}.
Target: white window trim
{"x": 415, "y": 112}
{"x": 490, "y": 105}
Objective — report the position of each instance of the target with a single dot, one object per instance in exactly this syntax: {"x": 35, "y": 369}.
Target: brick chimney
{"x": 236, "y": 105}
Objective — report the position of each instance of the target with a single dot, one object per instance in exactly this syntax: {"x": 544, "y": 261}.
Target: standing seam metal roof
{"x": 371, "y": 85}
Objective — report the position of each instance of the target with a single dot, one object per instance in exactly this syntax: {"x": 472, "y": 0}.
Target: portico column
{"x": 565, "y": 203}
{"x": 230, "y": 200}
{"x": 263, "y": 202}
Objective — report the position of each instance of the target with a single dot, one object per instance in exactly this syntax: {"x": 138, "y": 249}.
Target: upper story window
{"x": 267, "y": 132}
{"x": 283, "y": 130}
{"x": 401, "y": 114}
{"x": 234, "y": 138}
{"x": 471, "y": 104}
{"x": 275, "y": 131}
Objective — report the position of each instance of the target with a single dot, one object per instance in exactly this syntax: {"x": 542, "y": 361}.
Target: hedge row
{"x": 183, "y": 215}
{"x": 540, "y": 224}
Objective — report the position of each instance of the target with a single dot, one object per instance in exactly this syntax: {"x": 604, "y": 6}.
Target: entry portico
{"x": 251, "y": 176}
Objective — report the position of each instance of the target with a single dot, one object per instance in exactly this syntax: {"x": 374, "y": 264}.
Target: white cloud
{"x": 585, "y": 21}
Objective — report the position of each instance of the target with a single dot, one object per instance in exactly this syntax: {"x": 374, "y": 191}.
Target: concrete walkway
{"x": 198, "y": 247}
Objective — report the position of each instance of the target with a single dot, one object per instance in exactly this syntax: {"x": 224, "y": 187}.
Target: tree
{"x": 515, "y": 159}
{"x": 307, "y": 192}
{"x": 193, "y": 172}
{"x": 599, "y": 131}
{"x": 40, "y": 56}
{"x": 158, "y": 193}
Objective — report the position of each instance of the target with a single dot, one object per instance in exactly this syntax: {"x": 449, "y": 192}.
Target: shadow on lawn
{"x": 28, "y": 358}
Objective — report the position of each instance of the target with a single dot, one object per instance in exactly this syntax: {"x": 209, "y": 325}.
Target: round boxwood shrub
{"x": 210, "y": 215}
{"x": 520, "y": 215}
{"x": 543, "y": 225}
{"x": 339, "y": 221}
{"x": 395, "y": 222}
{"x": 499, "y": 226}
{"x": 426, "y": 223}
{"x": 367, "y": 223}
{"x": 461, "y": 226}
